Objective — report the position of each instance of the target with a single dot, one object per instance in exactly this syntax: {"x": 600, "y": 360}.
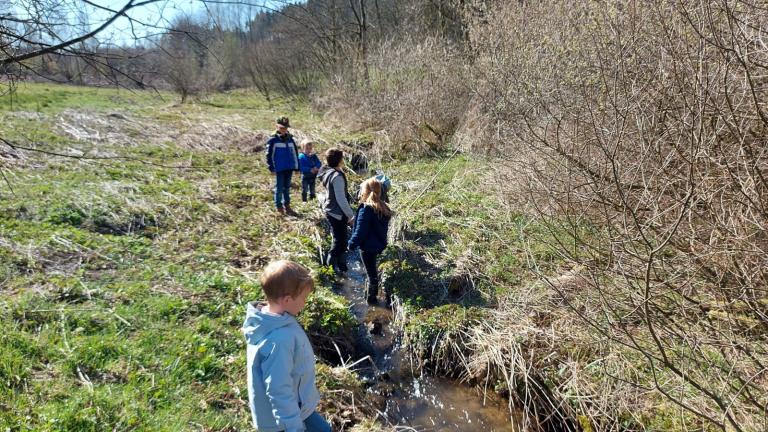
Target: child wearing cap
{"x": 309, "y": 164}
{"x": 282, "y": 160}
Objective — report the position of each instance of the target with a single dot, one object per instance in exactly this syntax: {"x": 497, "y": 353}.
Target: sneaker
{"x": 281, "y": 211}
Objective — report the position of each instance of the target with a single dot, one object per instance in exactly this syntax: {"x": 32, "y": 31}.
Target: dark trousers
{"x": 307, "y": 184}
{"x": 369, "y": 261}
{"x": 339, "y": 236}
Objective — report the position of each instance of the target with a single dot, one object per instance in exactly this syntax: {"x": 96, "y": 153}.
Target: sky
{"x": 155, "y": 18}
{"x": 148, "y": 20}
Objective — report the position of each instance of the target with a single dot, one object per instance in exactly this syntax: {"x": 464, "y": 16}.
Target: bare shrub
{"x": 415, "y": 92}
{"x": 192, "y": 63}
{"x": 640, "y": 133}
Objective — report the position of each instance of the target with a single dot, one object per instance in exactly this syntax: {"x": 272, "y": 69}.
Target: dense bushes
{"x": 648, "y": 122}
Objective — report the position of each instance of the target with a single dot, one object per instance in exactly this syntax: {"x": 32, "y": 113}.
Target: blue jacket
{"x": 282, "y": 154}
{"x": 370, "y": 231}
{"x": 281, "y": 371}
{"x": 306, "y": 163}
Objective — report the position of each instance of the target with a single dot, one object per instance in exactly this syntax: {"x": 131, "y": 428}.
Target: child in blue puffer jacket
{"x": 282, "y": 160}
{"x": 282, "y": 394}
{"x": 370, "y": 232}
{"x": 309, "y": 164}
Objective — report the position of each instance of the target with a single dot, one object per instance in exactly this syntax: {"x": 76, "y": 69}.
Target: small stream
{"x": 424, "y": 403}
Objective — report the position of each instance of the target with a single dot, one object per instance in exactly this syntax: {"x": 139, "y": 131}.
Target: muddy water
{"x": 423, "y": 403}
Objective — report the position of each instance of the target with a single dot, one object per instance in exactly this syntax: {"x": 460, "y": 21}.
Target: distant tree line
{"x": 291, "y": 48}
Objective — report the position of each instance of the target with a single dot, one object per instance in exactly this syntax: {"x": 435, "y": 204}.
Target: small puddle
{"x": 423, "y": 403}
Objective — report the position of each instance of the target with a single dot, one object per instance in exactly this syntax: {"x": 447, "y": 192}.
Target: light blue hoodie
{"x": 281, "y": 371}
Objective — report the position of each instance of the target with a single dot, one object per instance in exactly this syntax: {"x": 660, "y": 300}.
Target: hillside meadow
{"x": 133, "y": 230}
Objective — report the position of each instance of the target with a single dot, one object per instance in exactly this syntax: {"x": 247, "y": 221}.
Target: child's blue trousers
{"x": 308, "y": 185}
{"x": 283, "y": 188}
{"x": 316, "y": 423}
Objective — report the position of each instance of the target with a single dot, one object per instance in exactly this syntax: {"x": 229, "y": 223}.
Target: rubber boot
{"x": 342, "y": 262}
{"x": 333, "y": 261}
{"x": 373, "y": 291}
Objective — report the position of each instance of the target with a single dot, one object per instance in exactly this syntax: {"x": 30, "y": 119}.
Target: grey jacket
{"x": 281, "y": 371}
{"x": 336, "y": 201}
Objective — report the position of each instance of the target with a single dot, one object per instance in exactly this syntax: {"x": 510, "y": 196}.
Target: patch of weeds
{"x": 435, "y": 337}
{"x": 83, "y": 410}
{"x": 427, "y": 237}
{"x": 64, "y": 214}
{"x": 95, "y": 356}
{"x": 19, "y": 354}
{"x": 410, "y": 283}
{"x": 13, "y": 263}
{"x": 345, "y": 401}
{"x": 168, "y": 309}
{"x": 327, "y": 320}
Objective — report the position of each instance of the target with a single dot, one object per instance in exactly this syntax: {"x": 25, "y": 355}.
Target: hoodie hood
{"x": 325, "y": 174}
{"x": 259, "y": 324}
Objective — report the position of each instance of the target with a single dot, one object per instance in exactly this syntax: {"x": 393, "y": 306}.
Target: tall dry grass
{"x": 637, "y": 132}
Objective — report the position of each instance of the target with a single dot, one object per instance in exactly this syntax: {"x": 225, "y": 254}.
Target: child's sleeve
{"x": 303, "y": 163}
{"x": 317, "y": 162}
{"x": 361, "y": 228}
{"x": 278, "y": 384}
{"x": 270, "y": 160}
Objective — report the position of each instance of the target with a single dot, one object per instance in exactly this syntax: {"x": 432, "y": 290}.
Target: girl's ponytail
{"x": 371, "y": 194}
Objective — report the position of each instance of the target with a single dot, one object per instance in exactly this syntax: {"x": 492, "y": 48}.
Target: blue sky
{"x": 155, "y": 16}
{"x": 149, "y": 19}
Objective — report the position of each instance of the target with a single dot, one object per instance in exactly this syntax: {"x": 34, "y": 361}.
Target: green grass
{"x": 53, "y": 98}
{"x": 452, "y": 215}
{"x": 125, "y": 283}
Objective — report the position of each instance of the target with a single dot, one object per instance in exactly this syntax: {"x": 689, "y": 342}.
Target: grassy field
{"x": 125, "y": 264}
{"x": 133, "y": 236}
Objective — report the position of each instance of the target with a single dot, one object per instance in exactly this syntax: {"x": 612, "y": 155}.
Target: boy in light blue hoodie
{"x": 281, "y": 364}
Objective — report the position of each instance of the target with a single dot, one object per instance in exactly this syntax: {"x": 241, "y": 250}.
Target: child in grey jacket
{"x": 336, "y": 207}
{"x": 281, "y": 364}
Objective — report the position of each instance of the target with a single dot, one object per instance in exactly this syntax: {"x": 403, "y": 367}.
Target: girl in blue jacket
{"x": 370, "y": 232}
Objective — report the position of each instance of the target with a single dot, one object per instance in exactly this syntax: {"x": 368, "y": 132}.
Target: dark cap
{"x": 283, "y": 121}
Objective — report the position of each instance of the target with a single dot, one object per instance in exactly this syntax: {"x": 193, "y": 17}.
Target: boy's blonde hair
{"x": 306, "y": 141}
{"x": 370, "y": 194}
{"x": 285, "y": 278}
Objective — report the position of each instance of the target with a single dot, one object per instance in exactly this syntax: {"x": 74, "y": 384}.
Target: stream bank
{"x": 413, "y": 399}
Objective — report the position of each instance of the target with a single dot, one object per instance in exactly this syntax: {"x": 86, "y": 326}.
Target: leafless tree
{"x": 641, "y": 133}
